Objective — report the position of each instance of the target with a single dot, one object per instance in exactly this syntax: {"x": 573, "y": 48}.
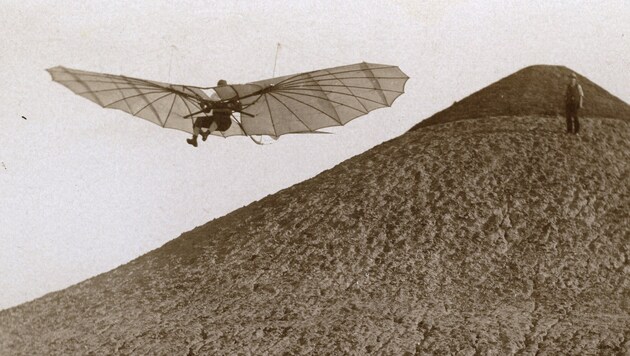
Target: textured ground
{"x": 493, "y": 236}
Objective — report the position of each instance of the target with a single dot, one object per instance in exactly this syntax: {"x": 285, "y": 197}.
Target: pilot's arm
{"x": 236, "y": 106}
{"x": 205, "y": 107}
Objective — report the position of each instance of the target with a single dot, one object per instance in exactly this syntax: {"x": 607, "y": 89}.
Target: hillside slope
{"x": 500, "y": 235}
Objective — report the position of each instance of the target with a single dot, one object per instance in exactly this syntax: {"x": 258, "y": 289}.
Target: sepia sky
{"x": 84, "y": 189}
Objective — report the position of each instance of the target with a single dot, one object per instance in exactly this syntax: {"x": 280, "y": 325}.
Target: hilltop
{"x": 498, "y": 235}
{"x": 532, "y": 91}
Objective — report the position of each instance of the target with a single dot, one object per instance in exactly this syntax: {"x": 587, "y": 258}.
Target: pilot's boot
{"x": 192, "y": 141}
{"x": 204, "y": 135}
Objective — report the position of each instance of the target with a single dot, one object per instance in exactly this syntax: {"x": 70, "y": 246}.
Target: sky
{"x": 84, "y": 189}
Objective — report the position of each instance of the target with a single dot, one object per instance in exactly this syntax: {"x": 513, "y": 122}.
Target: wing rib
{"x": 146, "y": 100}
{"x": 328, "y": 100}
{"x": 150, "y": 105}
{"x": 271, "y": 116}
{"x": 342, "y": 86}
{"x": 123, "y": 95}
{"x": 296, "y": 77}
{"x": 84, "y": 84}
{"x": 373, "y": 79}
{"x": 291, "y": 111}
{"x": 129, "y": 97}
{"x": 312, "y": 107}
{"x": 332, "y": 101}
{"x": 351, "y": 92}
{"x": 336, "y": 92}
{"x": 170, "y": 110}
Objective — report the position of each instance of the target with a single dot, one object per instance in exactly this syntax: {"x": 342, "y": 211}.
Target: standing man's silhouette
{"x": 574, "y": 101}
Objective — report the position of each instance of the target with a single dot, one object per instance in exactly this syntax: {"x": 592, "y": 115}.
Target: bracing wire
{"x": 273, "y": 75}
{"x": 275, "y": 61}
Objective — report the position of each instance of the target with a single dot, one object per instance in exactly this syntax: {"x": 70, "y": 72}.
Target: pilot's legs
{"x": 199, "y": 123}
{"x": 193, "y": 140}
{"x": 206, "y": 122}
{"x": 213, "y": 126}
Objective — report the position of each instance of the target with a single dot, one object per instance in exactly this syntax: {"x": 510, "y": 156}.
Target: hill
{"x": 532, "y": 91}
{"x": 499, "y": 235}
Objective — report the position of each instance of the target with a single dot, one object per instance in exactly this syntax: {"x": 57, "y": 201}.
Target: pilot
{"x": 220, "y": 118}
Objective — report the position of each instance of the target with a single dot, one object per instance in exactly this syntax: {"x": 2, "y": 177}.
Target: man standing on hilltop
{"x": 573, "y": 98}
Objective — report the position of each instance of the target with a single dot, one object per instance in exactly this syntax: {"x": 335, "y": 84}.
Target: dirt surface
{"x": 476, "y": 236}
{"x": 493, "y": 236}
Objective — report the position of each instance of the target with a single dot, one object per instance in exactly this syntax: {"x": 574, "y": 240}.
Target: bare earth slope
{"x": 500, "y": 235}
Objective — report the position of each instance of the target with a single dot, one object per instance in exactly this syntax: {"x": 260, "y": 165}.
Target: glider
{"x": 299, "y": 103}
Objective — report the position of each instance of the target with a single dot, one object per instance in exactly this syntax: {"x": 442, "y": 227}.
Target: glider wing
{"x": 306, "y": 102}
{"x": 164, "y": 104}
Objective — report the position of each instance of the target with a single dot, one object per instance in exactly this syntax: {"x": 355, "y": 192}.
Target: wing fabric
{"x": 161, "y": 103}
{"x": 306, "y": 102}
